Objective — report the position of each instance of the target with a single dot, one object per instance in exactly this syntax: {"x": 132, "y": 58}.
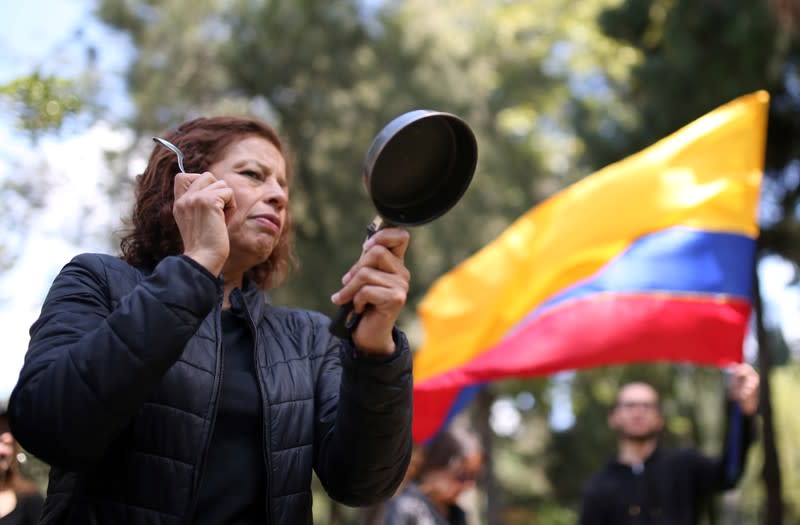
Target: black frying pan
{"x": 416, "y": 169}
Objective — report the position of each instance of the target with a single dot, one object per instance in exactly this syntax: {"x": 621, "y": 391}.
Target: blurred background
{"x": 554, "y": 90}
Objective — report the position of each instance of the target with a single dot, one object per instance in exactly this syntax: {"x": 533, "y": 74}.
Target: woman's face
{"x": 6, "y": 451}
{"x": 256, "y": 172}
{"x": 446, "y": 484}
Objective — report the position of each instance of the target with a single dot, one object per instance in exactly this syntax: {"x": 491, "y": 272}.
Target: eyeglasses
{"x": 644, "y": 405}
{"x": 466, "y": 476}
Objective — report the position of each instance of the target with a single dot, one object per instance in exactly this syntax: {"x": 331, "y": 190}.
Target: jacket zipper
{"x": 201, "y": 466}
{"x": 264, "y": 411}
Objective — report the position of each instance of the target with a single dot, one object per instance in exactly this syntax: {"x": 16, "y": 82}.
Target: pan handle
{"x": 346, "y": 320}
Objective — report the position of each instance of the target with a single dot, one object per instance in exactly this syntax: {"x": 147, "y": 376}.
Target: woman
{"x": 20, "y": 501}
{"x": 450, "y": 464}
{"x": 161, "y": 386}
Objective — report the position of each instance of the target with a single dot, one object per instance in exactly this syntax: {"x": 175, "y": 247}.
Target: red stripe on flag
{"x": 599, "y": 330}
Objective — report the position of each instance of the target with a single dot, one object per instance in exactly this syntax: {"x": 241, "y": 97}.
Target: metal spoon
{"x": 173, "y": 148}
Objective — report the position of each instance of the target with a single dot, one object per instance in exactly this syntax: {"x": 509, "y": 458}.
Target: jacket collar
{"x": 251, "y": 299}
{"x": 616, "y": 463}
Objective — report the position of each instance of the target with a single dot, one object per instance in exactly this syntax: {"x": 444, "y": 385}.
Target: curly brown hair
{"x": 153, "y": 232}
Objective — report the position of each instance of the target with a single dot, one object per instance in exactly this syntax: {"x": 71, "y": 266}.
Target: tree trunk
{"x": 483, "y": 406}
{"x": 771, "y": 473}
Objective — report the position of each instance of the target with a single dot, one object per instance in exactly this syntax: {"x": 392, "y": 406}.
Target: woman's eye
{"x": 252, "y": 174}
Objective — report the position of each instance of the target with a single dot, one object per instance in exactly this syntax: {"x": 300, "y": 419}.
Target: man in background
{"x": 646, "y": 483}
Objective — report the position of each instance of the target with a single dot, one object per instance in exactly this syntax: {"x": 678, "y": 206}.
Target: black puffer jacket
{"x": 121, "y": 380}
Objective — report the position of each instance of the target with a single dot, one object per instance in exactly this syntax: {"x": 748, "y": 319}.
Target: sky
{"x": 51, "y": 35}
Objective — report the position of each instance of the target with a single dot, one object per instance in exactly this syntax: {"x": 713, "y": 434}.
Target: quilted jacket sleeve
{"x": 92, "y": 360}
{"x": 363, "y": 435}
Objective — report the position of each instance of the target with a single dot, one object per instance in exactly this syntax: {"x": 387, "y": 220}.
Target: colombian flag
{"x": 648, "y": 259}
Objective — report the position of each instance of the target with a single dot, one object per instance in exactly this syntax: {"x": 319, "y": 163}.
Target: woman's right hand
{"x": 201, "y": 206}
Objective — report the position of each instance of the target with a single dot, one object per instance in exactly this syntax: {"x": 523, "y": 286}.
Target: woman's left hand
{"x": 378, "y": 285}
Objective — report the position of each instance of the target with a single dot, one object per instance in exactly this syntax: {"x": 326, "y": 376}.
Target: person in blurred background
{"x": 20, "y": 501}
{"x": 646, "y": 483}
{"x": 373, "y": 515}
{"x": 450, "y": 464}
{"x": 163, "y": 388}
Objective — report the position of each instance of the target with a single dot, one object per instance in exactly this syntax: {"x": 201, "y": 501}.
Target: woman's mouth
{"x": 269, "y": 221}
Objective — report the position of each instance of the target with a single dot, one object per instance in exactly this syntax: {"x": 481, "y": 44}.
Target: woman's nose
{"x": 275, "y": 194}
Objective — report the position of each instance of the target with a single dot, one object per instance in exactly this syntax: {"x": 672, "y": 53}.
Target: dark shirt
{"x": 27, "y": 511}
{"x": 670, "y": 487}
{"x": 233, "y": 488}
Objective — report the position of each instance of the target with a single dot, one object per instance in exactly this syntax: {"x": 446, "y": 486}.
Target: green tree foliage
{"x": 785, "y": 381}
{"x": 697, "y": 56}
{"x": 787, "y": 389}
{"x": 41, "y": 103}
